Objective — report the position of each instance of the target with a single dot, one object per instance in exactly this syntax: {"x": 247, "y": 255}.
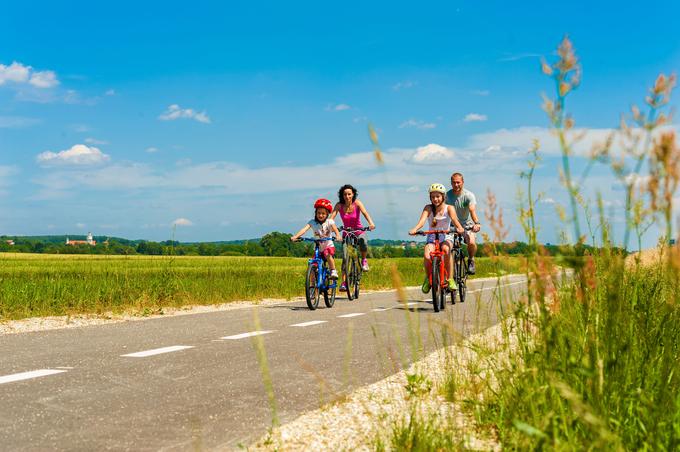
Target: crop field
{"x": 40, "y": 285}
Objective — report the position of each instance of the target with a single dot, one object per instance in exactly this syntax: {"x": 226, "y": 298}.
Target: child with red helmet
{"x": 322, "y": 226}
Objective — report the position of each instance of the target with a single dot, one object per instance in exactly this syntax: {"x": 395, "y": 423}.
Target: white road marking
{"x": 496, "y": 287}
{"x": 158, "y": 351}
{"x": 313, "y": 322}
{"x": 28, "y": 375}
{"x": 64, "y": 367}
{"x": 245, "y": 335}
{"x": 381, "y": 309}
{"x": 354, "y": 314}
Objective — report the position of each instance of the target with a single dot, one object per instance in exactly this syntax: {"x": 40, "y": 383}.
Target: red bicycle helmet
{"x": 323, "y": 202}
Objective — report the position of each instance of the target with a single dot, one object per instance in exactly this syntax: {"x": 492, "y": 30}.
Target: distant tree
{"x": 276, "y": 244}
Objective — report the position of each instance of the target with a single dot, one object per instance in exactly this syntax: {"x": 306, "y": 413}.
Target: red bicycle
{"x": 439, "y": 275}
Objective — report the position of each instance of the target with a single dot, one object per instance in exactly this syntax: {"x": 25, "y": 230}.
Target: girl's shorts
{"x": 330, "y": 251}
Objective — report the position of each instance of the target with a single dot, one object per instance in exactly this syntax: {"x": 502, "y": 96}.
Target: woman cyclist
{"x": 439, "y": 216}
{"x": 350, "y": 210}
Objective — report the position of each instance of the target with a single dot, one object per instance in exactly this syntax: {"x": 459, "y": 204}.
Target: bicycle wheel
{"x": 329, "y": 296}
{"x": 311, "y": 287}
{"x": 435, "y": 284}
{"x": 346, "y": 270}
{"x": 461, "y": 278}
{"x": 356, "y": 280}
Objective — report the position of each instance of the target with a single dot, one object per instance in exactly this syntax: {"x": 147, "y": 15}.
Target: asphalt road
{"x": 194, "y": 381}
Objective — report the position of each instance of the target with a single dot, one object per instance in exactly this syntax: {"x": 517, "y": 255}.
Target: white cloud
{"x": 44, "y": 79}
{"x": 481, "y": 92}
{"x": 78, "y": 155}
{"x": 547, "y": 201}
{"x": 432, "y": 154}
{"x": 174, "y": 112}
{"x": 182, "y": 222}
{"x": 404, "y": 85}
{"x": 151, "y": 149}
{"x": 521, "y": 139}
{"x": 81, "y": 225}
{"x": 414, "y": 189}
{"x": 21, "y": 74}
{"x": 337, "y": 107}
{"x": 16, "y": 122}
{"x": 95, "y": 141}
{"x": 80, "y": 128}
{"x": 474, "y": 117}
{"x": 418, "y": 124}
{"x": 519, "y": 56}
{"x": 110, "y": 92}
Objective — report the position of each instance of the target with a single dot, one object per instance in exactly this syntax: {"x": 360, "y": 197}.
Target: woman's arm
{"x": 335, "y": 230}
{"x": 363, "y": 210}
{"x": 421, "y": 221}
{"x": 297, "y": 235}
{"x": 335, "y": 211}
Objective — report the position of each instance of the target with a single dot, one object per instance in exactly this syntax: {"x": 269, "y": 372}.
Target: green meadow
{"x": 40, "y": 285}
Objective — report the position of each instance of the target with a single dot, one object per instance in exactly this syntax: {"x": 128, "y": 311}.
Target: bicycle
{"x": 460, "y": 270}
{"x": 317, "y": 279}
{"x": 439, "y": 275}
{"x": 351, "y": 266}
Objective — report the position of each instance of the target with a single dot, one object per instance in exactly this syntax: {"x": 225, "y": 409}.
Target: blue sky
{"x": 232, "y": 117}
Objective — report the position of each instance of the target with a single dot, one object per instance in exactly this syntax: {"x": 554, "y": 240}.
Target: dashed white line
{"x": 28, "y": 375}
{"x": 381, "y": 309}
{"x": 497, "y": 287}
{"x": 245, "y": 335}
{"x": 354, "y": 314}
{"x": 311, "y": 323}
{"x": 157, "y": 351}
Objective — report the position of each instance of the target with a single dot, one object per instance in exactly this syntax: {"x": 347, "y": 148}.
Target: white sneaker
{"x": 334, "y": 274}
{"x": 364, "y": 265}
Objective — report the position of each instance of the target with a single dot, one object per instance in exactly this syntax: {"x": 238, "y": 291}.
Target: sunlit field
{"x": 39, "y": 285}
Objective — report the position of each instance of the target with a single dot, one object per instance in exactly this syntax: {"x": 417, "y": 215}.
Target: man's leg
{"x": 472, "y": 250}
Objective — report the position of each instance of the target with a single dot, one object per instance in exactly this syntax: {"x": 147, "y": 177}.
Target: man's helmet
{"x": 323, "y": 202}
{"x": 437, "y": 188}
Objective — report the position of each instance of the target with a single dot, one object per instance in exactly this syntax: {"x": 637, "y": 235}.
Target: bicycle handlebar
{"x": 442, "y": 231}
{"x": 307, "y": 239}
{"x": 349, "y": 229}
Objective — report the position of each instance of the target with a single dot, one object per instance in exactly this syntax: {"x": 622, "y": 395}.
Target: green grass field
{"x": 40, "y": 285}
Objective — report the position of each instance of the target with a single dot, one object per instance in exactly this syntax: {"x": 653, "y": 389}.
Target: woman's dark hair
{"x": 342, "y": 190}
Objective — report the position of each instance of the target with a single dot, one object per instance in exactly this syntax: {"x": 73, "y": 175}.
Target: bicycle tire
{"x": 461, "y": 277}
{"x": 311, "y": 287}
{"x": 329, "y": 296}
{"x": 435, "y": 286}
{"x": 356, "y": 270}
{"x": 347, "y": 270}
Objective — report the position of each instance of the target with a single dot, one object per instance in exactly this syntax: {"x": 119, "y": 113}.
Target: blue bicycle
{"x": 318, "y": 280}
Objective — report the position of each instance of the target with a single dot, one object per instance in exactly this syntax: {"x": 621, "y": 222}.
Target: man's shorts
{"x": 467, "y": 235}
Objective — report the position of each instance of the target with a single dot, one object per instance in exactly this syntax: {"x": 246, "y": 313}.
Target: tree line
{"x": 272, "y": 244}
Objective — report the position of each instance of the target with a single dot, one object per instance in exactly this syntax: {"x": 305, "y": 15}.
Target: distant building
{"x": 9, "y": 242}
{"x": 89, "y": 241}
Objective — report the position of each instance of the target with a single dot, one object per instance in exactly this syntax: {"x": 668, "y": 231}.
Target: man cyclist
{"x": 465, "y": 204}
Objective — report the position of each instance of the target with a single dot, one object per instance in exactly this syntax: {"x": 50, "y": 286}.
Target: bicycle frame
{"x": 351, "y": 266}
{"x": 438, "y": 266}
{"x": 438, "y": 253}
{"x": 319, "y": 262}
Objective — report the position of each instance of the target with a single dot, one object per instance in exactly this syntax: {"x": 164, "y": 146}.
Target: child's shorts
{"x": 330, "y": 251}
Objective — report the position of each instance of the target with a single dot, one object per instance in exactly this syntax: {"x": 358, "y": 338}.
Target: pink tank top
{"x": 351, "y": 220}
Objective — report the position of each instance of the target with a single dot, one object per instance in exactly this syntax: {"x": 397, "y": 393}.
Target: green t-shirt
{"x": 462, "y": 205}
